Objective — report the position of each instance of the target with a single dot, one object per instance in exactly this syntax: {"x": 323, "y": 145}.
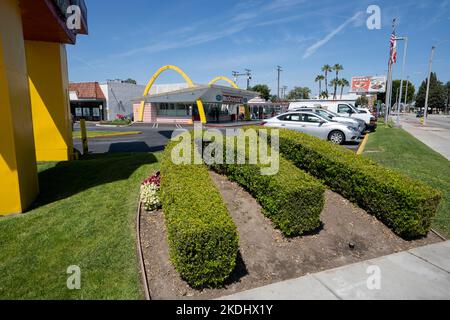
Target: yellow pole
{"x": 84, "y": 137}
{"x": 362, "y": 147}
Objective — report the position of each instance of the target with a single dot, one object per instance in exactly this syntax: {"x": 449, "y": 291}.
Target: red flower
{"x": 154, "y": 179}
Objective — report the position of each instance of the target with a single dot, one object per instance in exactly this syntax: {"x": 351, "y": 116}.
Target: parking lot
{"x": 154, "y": 138}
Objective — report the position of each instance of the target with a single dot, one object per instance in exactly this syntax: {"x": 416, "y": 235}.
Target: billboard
{"x": 369, "y": 84}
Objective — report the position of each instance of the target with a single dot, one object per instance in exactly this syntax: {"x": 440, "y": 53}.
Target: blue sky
{"x": 207, "y": 38}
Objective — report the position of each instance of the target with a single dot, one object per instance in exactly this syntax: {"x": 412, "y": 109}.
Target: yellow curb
{"x": 363, "y": 145}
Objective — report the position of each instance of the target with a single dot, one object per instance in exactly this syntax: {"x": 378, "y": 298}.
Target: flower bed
{"x": 150, "y": 192}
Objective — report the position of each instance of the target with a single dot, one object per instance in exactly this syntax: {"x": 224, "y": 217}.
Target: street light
{"x": 401, "y": 82}
{"x": 406, "y": 94}
{"x": 433, "y": 49}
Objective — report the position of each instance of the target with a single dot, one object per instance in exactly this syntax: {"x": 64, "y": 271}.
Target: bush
{"x": 292, "y": 199}
{"x": 203, "y": 240}
{"x": 403, "y": 204}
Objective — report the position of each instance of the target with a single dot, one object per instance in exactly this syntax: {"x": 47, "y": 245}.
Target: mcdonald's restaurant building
{"x": 213, "y": 103}
{"x": 34, "y": 93}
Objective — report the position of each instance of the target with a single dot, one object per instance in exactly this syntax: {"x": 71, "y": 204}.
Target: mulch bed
{"x": 348, "y": 235}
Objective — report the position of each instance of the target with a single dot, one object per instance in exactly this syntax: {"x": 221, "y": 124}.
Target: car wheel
{"x": 336, "y": 137}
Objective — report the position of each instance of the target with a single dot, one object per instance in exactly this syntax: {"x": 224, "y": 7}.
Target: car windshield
{"x": 325, "y": 115}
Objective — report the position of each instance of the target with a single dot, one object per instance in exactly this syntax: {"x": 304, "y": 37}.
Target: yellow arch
{"x": 188, "y": 80}
{"x": 222, "y": 78}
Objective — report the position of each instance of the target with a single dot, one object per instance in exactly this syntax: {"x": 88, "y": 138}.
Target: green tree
{"x": 437, "y": 96}
{"x": 319, "y": 79}
{"x": 323, "y": 95}
{"x": 326, "y": 69}
{"x": 337, "y": 68}
{"x": 299, "y": 93}
{"x": 129, "y": 80}
{"x": 343, "y": 83}
{"x": 396, "y": 91}
{"x": 263, "y": 89}
{"x": 362, "y": 102}
{"x": 333, "y": 84}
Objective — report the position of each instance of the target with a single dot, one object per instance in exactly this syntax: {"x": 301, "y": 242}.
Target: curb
{"x": 112, "y": 136}
{"x": 143, "y": 271}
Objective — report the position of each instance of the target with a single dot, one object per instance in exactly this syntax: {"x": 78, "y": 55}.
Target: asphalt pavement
{"x": 153, "y": 138}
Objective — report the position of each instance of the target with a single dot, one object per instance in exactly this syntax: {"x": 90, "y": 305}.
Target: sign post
{"x": 84, "y": 137}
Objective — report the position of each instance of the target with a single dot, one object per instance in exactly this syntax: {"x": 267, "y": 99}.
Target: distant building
{"x": 87, "y": 101}
{"x": 261, "y": 109}
{"x": 95, "y": 101}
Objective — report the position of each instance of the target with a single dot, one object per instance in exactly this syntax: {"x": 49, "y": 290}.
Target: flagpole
{"x": 388, "y": 95}
{"x": 389, "y": 87}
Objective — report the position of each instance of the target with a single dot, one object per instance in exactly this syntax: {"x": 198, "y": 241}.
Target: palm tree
{"x": 326, "y": 68}
{"x": 319, "y": 79}
{"x": 337, "y": 67}
{"x": 343, "y": 83}
{"x": 334, "y": 84}
{"x": 323, "y": 95}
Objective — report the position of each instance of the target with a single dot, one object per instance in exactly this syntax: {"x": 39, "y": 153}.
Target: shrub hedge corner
{"x": 203, "y": 239}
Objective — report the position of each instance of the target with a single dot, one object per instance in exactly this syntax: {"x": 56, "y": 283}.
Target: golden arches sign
{"x": 188, "y": 80}
{"x": 222, "y": 78}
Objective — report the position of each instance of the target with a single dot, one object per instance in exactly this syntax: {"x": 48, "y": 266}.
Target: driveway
{"x": 153, "y": 138}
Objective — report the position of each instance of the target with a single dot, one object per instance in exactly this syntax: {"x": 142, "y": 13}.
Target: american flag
{"x": 393, "y": 56}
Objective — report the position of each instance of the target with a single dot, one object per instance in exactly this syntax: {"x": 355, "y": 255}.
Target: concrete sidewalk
{"x": 417, "y": 274}
{"x": 436, "y": 138}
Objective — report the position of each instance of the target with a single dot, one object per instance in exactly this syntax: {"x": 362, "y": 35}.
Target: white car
{"x": 360, "y": 124}
{"x": 343, "y": 109}
{"x": 315, "y": 125}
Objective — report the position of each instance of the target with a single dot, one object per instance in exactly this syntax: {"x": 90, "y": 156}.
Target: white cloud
{"x": 312, "y": 49}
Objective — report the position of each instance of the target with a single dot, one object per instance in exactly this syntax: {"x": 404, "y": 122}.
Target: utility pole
{"x": 406, "y": 94}
{"x": 248, "y": 74}
{"x": 401, "y": 82}
{"x": 279, "y": 70}
{"x": 425, "y": 113}
{"x": 284, "y": 90}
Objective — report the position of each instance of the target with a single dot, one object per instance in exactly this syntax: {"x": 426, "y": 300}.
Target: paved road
{"x": 436, "y": 134}
{"x": 417, "y": 274}
{"x": 153, "y": 139}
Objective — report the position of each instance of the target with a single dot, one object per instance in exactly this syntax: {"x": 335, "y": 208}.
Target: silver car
{"x": 336, "y": 117}
{"x": 315, "y": 125}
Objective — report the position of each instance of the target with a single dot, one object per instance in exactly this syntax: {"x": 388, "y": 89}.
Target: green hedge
{"x": 203, "y": 240}
{"x": 292, "y": 199}
{"x": 405, "y": 205}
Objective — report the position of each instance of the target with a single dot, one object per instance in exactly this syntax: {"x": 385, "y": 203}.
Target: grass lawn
{"x": 84, "y": 216}
{"x": 397, "y": 149}
{"x": 103, "y": 134}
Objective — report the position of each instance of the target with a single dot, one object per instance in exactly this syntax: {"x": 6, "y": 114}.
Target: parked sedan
{"x": 315, "y": 125}
{"x": 329, "y": 115}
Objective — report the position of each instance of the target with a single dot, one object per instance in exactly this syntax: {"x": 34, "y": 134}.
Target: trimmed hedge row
{"x": 405, "y": 205}
{"x": 292, "y": 199}
{"x": 203, "y": 239}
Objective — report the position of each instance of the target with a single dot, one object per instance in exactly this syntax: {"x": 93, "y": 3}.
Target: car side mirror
{"x": 322, "y": 122}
